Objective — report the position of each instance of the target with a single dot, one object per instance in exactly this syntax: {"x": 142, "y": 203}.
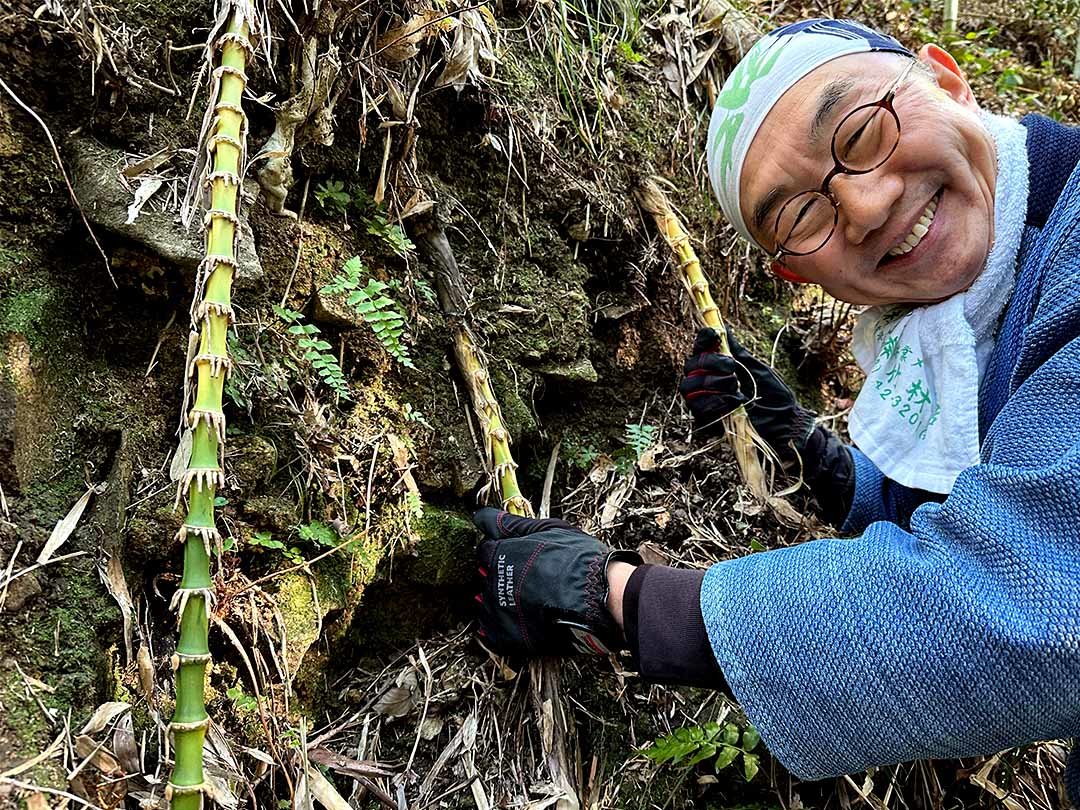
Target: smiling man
{"x": 948, "y": 623}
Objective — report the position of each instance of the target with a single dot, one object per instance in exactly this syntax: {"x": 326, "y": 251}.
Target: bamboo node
{"x": 221, "y": 137}
{"x": 182, "y": 596}
{"x": 217, "y": 362}
{"x": 498, "y": 434}
{"x": 207, "y": 534}
{"x": 215, "y": 420}
{"x": 206, "y": 308}
{"x": 228, "y": 70}
{"x": 206, "y": 266}
{"x": 194, "y": 725}
{"x": 184, "y": 790}
{"x": 518, "y": 505}
{"x": 228, "y": 106}
{"x": 203, "y": 478}
{"x": 179, "y": 659}
{"x": 480, "y": 375}
{"x": 501, "y": 469}
{"x": 220, "y": 213}
{"x": 236, "y": 39}
{"x": 228, "y": 178}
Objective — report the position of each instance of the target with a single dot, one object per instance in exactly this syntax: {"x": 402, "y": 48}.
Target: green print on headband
{"x": 758, "y": 63}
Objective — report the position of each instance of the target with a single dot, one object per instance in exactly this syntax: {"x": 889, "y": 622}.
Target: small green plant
{"x": 693, "y": 744}
{"x": 267, "y": 541}
{"x": 581, "y": 455}
{"x": 628, "y": 52}
{"x": 389, "y": 232}
{"x": 316, "y": 351}
{"x": 332, "y": 197}
{"x": 336, "y": 198}
{"x": 241, "y": 699}
{"x": 414, "y": 415}
{"x": 414, "y": 504}
{"x": 424, "y": 290}
{"x": 381, "y": 312}
{"x": 318, "y": 533}
{"x": 639, "y": 438}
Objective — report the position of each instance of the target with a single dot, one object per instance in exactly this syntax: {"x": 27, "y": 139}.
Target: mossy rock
{"x": 252, "y": 461}
{"x": 272, "y": 513}
{"x": 445, "y": 549}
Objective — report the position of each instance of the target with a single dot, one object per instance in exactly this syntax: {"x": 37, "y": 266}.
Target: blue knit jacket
{"x": 949, "y": 628}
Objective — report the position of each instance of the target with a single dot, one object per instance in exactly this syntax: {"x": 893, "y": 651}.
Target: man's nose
{"x": 865, "y": 202}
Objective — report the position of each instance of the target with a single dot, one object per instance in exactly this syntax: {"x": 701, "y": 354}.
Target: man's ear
{"x": 950, "y": 77}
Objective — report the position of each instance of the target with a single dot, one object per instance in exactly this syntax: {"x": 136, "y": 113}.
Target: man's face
{"x": 943, "y": 171}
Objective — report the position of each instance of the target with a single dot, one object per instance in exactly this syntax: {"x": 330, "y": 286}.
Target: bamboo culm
{"x": 211, "y": 313}
{"x": 748, "y": 446}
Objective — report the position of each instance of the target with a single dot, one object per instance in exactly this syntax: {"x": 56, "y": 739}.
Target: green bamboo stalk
{"x": 218, "y": 172}
{"x": 952, "y": 8}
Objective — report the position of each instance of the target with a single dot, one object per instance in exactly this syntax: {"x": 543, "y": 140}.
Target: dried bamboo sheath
{"x": 501, "y": 464}
{"x": 211, "y": 315}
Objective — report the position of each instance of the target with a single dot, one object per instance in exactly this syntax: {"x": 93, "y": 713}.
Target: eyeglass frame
{"x": 885, "y": 103}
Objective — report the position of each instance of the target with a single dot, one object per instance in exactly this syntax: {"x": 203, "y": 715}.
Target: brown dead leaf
{"x": 346, "y": 765}
{"x": 401, "y": 461}
{"x": 324, "y": 792}
{"x": 124, "y": 746}
{"x": 397, "y": 701}
{"x": 100, "y": 756}
{"x": 149, "y": 163}
{"x": 652, "y": 554}
{"x": 614, "y": 503}
{"x": 146, "y": 673}
{"x": 402, "y": 41}
{"x": 647, "y": 461}
{"x": 460, "y": 60}
{"x": 112, "y": 575}
{"x": 62, "y": 531}
{"x": 431, "y": 728}
{"x": 104, "y": 715}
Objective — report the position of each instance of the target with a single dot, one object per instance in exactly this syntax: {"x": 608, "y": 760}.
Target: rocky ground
{"x": 341, "y": 633}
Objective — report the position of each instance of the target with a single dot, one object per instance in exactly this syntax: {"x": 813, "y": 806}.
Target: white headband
{"x": 769, "y": 70}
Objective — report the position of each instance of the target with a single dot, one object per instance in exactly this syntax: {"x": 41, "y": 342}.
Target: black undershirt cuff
{"x": 664, "y": 629}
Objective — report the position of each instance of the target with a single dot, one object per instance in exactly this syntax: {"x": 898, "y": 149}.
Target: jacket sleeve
{"x": 879, "y": 498}
{"x": 957, "y": 636}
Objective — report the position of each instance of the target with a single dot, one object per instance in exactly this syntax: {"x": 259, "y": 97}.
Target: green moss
{"x": 23, "y": 311}
{"x": 60, "y": 643}
{"x": 24, "y": 730}
{"x": 252, "y": 459}
{"x": 511, "y": 393}
{"x": 272, "y": 513}
{"x": 445, "y": 550}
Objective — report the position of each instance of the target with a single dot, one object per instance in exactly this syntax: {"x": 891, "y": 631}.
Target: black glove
{"x": 545, "y": 586}
{"x": 714, "y": 385}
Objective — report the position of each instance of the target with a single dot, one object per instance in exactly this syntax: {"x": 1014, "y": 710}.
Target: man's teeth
{"x": 918, "y": 232}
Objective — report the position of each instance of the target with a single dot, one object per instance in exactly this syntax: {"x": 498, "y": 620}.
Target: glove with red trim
{"x": 545, "y": 586}
{"x": 715, "y": 384}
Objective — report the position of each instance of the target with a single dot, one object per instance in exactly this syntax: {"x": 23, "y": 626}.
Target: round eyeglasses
{"x": 863, "y": 141}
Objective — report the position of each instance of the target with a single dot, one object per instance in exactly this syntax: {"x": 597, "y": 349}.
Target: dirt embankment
{"x": 529, "y": 150}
